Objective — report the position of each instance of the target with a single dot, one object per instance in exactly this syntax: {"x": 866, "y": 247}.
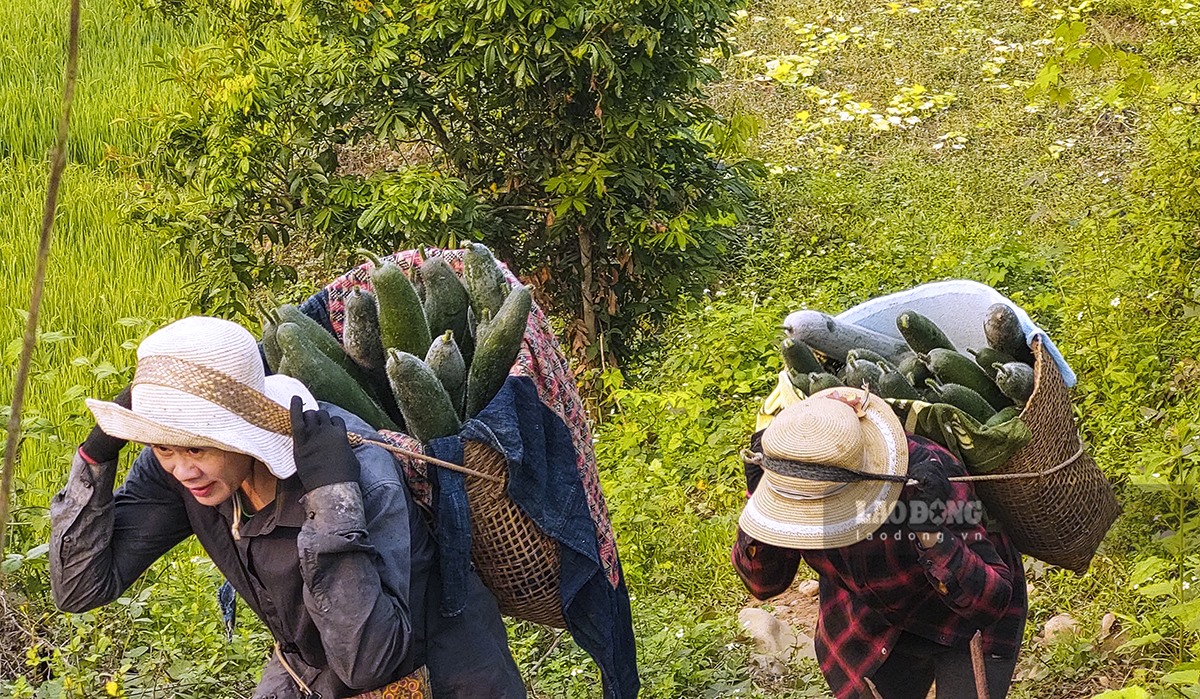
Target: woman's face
{"x": 211, "y": 475}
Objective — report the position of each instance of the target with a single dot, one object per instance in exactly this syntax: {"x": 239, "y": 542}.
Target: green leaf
{"x": 1182, "y": 677}
{"x": 1158, "y": 589}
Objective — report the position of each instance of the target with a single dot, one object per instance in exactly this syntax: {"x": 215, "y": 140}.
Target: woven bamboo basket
{"x": 514, "y": 558}
{"x": 1061, "y": 516}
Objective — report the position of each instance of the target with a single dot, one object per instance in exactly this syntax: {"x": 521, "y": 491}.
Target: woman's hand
{"x": 319, "y": 445}
{"x": 100, "y": 447}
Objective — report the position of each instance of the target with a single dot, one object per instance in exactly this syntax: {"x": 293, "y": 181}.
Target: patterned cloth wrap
{"x": 415, "y": 686}
{"x": 540, "y": 359}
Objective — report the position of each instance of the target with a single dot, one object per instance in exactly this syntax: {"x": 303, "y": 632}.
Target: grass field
{"x": 107, "y": 283}
{"x": 902, "y": 148}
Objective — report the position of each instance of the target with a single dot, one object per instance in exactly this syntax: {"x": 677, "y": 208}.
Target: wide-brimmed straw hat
{"x": 810, "y": 444}
{"x": 200, "y": 382}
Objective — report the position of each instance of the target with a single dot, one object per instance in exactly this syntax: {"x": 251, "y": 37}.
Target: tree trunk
{"x": 586, "y": 297}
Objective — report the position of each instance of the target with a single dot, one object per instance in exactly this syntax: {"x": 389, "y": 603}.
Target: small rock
{"x": 1106, "y": 624}
{"x": 771, "y": 636}
{"x": 809, "y": 587}
{"x": 1111, "y": 636}
{"x": 1059, "y": 627}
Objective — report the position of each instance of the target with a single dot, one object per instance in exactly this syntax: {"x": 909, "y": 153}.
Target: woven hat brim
{"x": 841, "y": 518}
{"x": 174, "y": 424}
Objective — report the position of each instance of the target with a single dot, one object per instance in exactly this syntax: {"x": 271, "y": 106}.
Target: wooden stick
{"x": 58, "y": 162}
{"x": 354, "y": 438}
{"x": 981, "y": 688}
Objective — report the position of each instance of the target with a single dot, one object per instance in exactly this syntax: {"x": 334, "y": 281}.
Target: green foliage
{"x": 133, "y": 647}
{"x": 670, "y": 442}
{"x": 113, "y": 95}
{"x": 572, "y": 136}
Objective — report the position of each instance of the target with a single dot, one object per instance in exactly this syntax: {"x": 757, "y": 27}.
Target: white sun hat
{"x": 200, "y": 382}
{"x": 796, "y": 505}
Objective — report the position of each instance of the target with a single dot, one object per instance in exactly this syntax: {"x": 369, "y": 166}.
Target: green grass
{"x": 1031, "y": 203}
{"x": 116, "y": 90}
{"x": 108, "y": 284}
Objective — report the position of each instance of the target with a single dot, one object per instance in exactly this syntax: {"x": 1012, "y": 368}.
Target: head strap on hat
{"x": 825, "y": 473}
{"x": 798, "y": 495}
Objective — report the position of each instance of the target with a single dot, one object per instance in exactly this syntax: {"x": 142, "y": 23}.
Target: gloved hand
{"x": 753, "y": 471}
{"x": 100, "y": 447}
{"x": 322, "y": 454}
{"x": 927, "y": 504}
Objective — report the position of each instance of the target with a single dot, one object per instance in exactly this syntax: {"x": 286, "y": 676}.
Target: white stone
{"x": 772, "y": 637}
{"x": 804, "y": 647}
{"x": 1059, "y": 627}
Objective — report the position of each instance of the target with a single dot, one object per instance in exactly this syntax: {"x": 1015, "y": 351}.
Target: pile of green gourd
{"x": 418, "y": 354}
{"x": 992, "y": 386}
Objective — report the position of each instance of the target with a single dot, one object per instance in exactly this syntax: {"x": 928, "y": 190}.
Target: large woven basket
{"x": 514, "y": 558}
{"x": 1059, "y": 517}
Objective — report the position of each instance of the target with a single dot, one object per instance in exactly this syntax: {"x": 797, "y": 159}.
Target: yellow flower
{"x": 112, "y": 688}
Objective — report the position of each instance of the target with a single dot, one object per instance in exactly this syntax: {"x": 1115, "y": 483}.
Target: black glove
{"x": 99, "y": 446}
{"x": 927, "y": 503}
{"x": 323, "y": 455}
{"x": 753, "y": 471}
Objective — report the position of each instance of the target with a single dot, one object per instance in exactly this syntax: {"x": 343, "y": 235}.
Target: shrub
{"x": 571, "y": 135}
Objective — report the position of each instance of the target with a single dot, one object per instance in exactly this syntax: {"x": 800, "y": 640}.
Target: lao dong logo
{"x": 919, "y": 515}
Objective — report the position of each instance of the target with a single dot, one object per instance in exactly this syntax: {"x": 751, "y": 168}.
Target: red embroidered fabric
{"x": 541, "y": 360}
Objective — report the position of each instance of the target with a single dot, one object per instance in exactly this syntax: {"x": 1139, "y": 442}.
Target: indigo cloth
{"x": 543, "y": 482}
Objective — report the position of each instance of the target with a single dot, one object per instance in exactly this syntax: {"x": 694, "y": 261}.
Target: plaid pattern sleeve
{"x": 882, "y": 586}
{"x": 765, "y": 570}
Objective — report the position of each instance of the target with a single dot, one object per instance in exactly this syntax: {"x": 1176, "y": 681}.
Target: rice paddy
{"x": 107, "y": 283}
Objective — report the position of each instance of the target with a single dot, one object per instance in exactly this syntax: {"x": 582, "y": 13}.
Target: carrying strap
{"x": 826, "y": 473}
{"x": 255, "y": 407}
{"x": 308, "y": 692}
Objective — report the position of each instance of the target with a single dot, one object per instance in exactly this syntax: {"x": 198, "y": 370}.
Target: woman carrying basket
{"x": 908, "y": 575}
{"x": 320, "y": 538}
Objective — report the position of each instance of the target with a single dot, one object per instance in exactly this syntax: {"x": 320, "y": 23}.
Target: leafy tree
{"x": 571, "y": 135}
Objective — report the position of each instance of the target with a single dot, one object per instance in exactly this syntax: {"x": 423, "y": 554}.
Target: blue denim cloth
{"x": 545, "y": 483}
{"x": 317, "y": 308}
{"x": 453, "y": 526}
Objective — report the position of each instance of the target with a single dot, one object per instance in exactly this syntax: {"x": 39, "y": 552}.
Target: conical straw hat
{"x": 804, "y": 513}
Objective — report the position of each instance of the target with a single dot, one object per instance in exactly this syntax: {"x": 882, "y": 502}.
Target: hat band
{"x": 215, "y": 387}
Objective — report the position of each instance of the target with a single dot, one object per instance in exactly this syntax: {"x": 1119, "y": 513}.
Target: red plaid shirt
{"x": 875, "y": 589}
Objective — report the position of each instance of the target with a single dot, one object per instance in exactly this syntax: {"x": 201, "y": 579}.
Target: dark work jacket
{"x": 345, "y": 577}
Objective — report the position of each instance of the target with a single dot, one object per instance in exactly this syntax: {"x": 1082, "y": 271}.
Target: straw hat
{"x": 200, "y": 383}
{"x": 811, "y": 513}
